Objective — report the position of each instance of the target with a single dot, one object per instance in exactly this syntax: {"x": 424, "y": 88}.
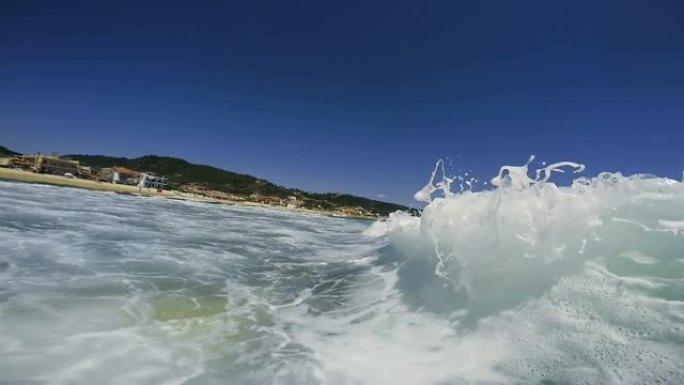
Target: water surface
{"x": 540, "y": 285}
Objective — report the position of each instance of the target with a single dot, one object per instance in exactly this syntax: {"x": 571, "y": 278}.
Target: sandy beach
{"x": 57, "y": 180}
{"x": 30, "y": 177}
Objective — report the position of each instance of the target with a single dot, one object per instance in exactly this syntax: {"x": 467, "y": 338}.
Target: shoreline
{"x": 62, "y": 181}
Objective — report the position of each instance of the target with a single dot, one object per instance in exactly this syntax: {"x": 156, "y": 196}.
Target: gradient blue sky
{"x": 353, "y": 96}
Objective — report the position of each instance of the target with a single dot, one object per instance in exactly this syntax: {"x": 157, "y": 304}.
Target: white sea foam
{"x": 514, "y": 260}
{"x": 526, "y": 283}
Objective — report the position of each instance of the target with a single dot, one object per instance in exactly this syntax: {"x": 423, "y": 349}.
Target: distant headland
{"x": 175, "y": 178}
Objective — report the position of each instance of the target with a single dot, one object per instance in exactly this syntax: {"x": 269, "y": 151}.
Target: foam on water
{"x": 526, "y": 283}
{"x": 578, "y": 284}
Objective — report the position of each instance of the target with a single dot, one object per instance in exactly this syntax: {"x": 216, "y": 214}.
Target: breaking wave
{"x": 576, "y": 284}
{"x": 525, "y": 282}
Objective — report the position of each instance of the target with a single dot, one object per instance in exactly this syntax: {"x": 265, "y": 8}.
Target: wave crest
{"x": 499, "y": 247}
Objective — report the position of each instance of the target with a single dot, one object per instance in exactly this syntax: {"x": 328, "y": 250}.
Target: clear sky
{"x": 353, "y": 96}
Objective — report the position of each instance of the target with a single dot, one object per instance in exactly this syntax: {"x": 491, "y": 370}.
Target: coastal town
{"x": 57, "y": 170}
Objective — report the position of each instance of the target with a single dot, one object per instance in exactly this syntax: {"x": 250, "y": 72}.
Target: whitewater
{"x": 525, "y": 282}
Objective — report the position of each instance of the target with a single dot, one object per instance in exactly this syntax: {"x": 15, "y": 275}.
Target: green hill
{"x": 180, "y": 172}
{"x": 4, "y": 151}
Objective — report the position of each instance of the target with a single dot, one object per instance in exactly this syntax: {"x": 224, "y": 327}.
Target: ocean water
{"x": 528, "y": 283}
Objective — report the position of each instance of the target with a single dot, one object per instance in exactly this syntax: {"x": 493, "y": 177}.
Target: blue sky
{"x": 352, "y": 96}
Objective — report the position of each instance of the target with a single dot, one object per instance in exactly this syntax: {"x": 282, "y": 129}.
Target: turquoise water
{"x": 531, "y": 285}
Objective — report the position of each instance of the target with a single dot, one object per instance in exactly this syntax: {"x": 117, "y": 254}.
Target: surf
{"x": 510, "y": 279}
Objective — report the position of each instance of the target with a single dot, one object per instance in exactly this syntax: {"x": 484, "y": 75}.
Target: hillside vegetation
{"x": 4, "y": 151}
{"x": 180, "y": 171}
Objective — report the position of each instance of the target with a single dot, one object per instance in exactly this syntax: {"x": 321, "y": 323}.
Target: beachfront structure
{"x": 119, "y": 175}
{"x": 194, "y": 188}
{"x": 151, "y": 180}
{"x": 86, "y": 172}
{"x": 269, "y": 200}
{"x": 123, "y": 175}
{"x": 47, "y": 164}
{"x": 25, "y": 162}
{"x": 5, "y": 162}
{"x": 58, "y": 166}
{"x": 106, "y": 174}
{"x": 292, "y": 202}
{"x": 204, "y": 191}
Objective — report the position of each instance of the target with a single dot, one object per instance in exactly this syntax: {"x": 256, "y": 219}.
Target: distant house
{"x": 106, "y": 174}
{"x": 47, "y": 164}
{"x": 152, "y": 180}
{"x": 201, "y": 190}
{"x": 86, "y": 172}
{"x": 123, "y": 175}
{"x": 194, "y": 188}
{"x": 119, "y": 175}
{"x": 5, "y": 162}
{"x": 58, "y": 166}
{"x": 292, "y": 202}
{"x": 269, "y": 200}
{"x": 25, "y": 162}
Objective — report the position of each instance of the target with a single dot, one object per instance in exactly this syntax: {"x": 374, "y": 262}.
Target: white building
{"x": 122, "y": 175}
{"x": 151, "y": 180}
